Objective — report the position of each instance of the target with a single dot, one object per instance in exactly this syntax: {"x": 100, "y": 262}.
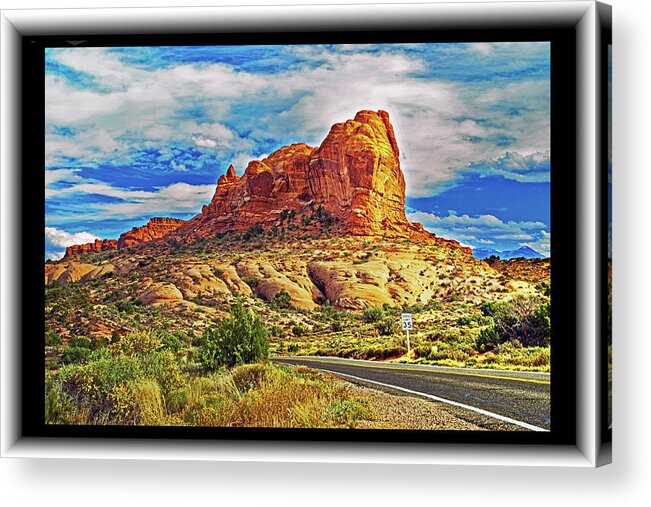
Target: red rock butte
{"x": 354, "y": 175}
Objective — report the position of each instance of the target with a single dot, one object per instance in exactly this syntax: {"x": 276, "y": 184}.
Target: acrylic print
{"x": 299, "y": 236}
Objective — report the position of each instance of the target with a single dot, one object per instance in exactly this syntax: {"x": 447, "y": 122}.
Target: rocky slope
{"x": 535, "y": 271}
{"x": 156, "y": 228}
{"x": 348, "y": 272}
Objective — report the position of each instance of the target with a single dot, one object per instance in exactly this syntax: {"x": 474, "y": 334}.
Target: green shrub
{"x": 282, "y": 300}
{"x": 328, "y": 312}
{"x": 434, "y": 305}
{"x": 338, "y": 326}
{"x": 464, "y": 320}
{"x": 277, "y": 331}
{"x": 253, "y": 232}
{"x": 58, "y": 404}
{"x": 484, "y": 320}
{"x": 522, "y": 318}
{"x": 542, "y": 322}
{"x": 139, "y": 342}
{"x": 347, "y": 412}
{"x": 80, "y": 341}
{"x": 387, "y": 326}
{"x": 52, "y": 338}
{"x": 240, "y": 338}
{"x": 172, "y": 342}
{"x": 324, "y": 217}
{"x": 378, "y": 353}
{"x": 415, "y": 308}
{"x": 298, "y": 330}
{"x": 515, "y": 354}
{"x": 127, "y": 306}
{"x": 99, "y": 343}
{"x": 75, "y": 355}
{"x": 113, "y": 388}
{"x": 488, "y": 339}
{"x": 252, "y": 281}
{"x": 372, "y": 314}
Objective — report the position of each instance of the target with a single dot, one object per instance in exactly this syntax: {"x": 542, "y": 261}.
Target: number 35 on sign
{"x": 407, "y": 323}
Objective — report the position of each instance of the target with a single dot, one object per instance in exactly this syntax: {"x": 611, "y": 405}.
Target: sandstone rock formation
{"x": 75, "y": 272}
{"x": 289, "y": 275}
{"x": 99, "y": 245}
{"x": 156, "y": 228}
{"x": 349, "y": 273}
{"x": 160, "y": 292}
{"x": 354, "y": 176}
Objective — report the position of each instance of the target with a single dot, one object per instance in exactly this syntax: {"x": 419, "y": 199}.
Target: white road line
{"x": 443, "y": 400}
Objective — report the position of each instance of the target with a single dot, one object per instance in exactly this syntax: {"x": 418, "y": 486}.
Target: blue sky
{"x": 133, "y": 133}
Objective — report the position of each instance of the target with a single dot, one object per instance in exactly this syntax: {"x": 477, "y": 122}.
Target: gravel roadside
{"x": 404, "y": 412}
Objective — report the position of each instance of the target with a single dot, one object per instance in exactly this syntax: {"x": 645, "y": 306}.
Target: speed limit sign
{"x": 407, "y": 323}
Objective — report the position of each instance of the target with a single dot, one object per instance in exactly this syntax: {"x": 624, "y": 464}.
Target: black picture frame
{"x": 561, "y": 26}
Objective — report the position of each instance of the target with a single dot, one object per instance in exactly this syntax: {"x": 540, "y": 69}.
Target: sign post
{"x": 407, "y": 325}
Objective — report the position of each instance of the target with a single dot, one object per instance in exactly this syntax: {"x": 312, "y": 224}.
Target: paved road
{"x": 511, "y": 399}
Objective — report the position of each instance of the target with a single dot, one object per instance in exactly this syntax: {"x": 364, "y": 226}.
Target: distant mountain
{"x": 524, "y": 251}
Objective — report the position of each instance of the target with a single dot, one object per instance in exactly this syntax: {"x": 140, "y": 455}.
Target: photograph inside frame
{"x": 342, "y": 236}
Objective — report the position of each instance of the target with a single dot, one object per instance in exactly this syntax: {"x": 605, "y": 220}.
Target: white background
{"x": 626, "y": 482}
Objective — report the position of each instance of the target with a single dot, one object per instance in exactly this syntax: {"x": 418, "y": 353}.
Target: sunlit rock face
{"x": 354, "y": 175}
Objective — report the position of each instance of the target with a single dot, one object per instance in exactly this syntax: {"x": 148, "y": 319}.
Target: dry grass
{"x": 267, "y": 396}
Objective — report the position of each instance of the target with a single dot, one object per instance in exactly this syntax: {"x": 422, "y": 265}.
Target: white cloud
{"x": 103, "y": 65}
{"x": 543, "y": 245}
{"x": 55, "y": 256}
{"x": 204, "y": 142}
{"x": 178, "y": 167}
{"x": 91, "y": 145}
{"x": 482, "y": 48}
{"x": 172, "y": 199}
{"x": 515, "y": 236}
{"x": 469, "y": 223}
{"x": 533, "y": 167}
{"x": 61, "y": 238}
{"x": 56, "y": 175}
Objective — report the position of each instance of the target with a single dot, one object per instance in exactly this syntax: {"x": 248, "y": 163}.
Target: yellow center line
{"x": 446, "y": 372}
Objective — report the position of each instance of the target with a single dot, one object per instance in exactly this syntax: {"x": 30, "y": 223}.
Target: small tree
{"x": 522, "y": 318}
{"x": 239, "y": 338}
